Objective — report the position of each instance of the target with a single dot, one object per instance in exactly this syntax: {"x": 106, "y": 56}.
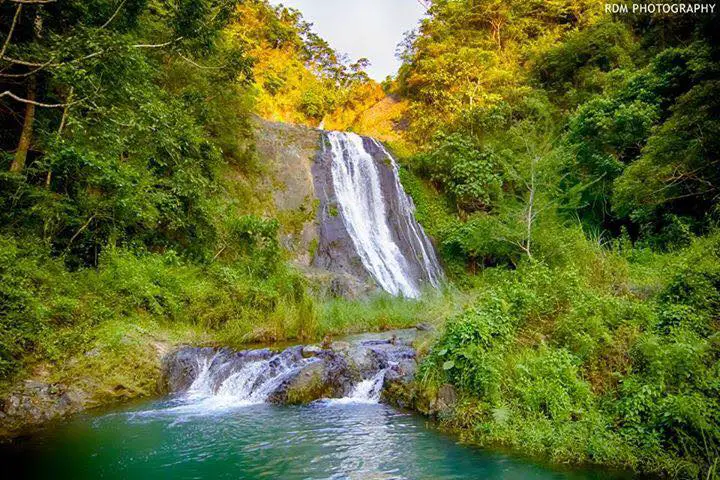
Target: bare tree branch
{"x": 12, "y": 30}
{"x": 31, "y": 2}
{"x": 92, "y": 217}
{"x": 63, "y": 120}
{"x": 49, "y": 63}
{"x": 109, "y": 20}
{"x": 17, "y": 61}
{"x": 198, "y": 65}
{"x": 8, "y": 93}
{"x": 157, "y": 45}
{"x": 26, "y": 74}
{"x": 219, "y": 252}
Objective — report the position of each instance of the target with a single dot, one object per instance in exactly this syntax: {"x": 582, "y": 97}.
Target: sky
{"x": 362, "y": 28}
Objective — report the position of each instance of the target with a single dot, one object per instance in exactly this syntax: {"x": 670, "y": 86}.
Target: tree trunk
{"x": 26, "y": 136}
{"x": 531, "y": 202}
{"x": 63, "y": 119}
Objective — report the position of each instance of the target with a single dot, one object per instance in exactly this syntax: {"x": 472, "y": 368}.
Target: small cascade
{"x": 207, "y": 379}
{"x": 244, "y": 378}
{"x": 368, "y": 390}
{"x": 379, "y": 216}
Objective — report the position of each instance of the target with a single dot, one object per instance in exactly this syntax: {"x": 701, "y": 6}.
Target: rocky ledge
{"x": 361, "y": 369}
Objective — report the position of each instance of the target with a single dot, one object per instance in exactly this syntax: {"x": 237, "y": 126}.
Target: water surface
{"x": 326, "y": 440}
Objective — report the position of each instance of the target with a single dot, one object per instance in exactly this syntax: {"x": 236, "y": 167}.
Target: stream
{"x": 228, "y": 419}
{"x": 337, "y": 439}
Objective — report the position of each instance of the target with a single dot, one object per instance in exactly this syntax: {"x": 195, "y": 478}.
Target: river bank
{"x": 275, "y": 411}
{"x": 127, "y": 363}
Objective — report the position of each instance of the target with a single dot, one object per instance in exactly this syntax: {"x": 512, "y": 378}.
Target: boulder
{"x": 311, "y": 350}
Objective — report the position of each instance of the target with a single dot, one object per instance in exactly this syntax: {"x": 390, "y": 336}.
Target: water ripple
{"x": 319, "y": 441}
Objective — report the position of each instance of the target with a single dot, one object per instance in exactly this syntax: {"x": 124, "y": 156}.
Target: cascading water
{"x": 209, "y": 380}
{"x": 366, "y": 391}
{"x": 201, "y": 433}
{"x": 379, "y": 216}
{"x": 236, "y": 381}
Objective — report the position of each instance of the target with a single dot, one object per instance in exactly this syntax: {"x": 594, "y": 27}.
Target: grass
{"x": 604, "y": 357}
{"x": 384, "y": 312}
{"x": 104, "y": 330}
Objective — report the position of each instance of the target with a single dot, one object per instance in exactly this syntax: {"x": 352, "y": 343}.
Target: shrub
{"x": 471, "y": 174}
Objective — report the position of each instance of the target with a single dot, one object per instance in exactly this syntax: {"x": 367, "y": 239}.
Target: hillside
{"x": 166, "y": 183}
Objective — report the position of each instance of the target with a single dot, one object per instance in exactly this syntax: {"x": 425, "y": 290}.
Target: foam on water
{"x": 366, "y": 391}
{"x": 220, "y": 386}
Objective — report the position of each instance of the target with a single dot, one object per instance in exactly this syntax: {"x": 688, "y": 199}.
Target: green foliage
{"x": 588, "y": 348}
{"x": 314, "y": 102}
{"x": 566, "y": 166}
{"x": 382, "y": 312}
{"x": 483, "y": 240}
{"x": 677, "y": 170}
{"x": 548, "y": 381}
{"x": 255, "y": 238}
{"x": 148, "y": 178}
{"x": 642, "y": 137}
{"x": 552, "y": 355}
{"x": 576, "y": 68}
{"x": 297, "y": 75}
{"x": 469, "y": 54}
{"x": 627, "y": 107}
{"x": 471, "y": 174}
{"x": 26, "y": 279}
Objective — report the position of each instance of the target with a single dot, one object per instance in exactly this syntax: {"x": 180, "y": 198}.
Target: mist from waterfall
{"x": 392, "y": 246}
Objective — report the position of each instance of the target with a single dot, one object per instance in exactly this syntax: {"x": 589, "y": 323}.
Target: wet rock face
{"x": 359, "y": 192}
{"x": 335, "y": 251}
{"x": 181, "y": 367}
{"x": 288, "y": 151}
{"x": 299, "y": 374}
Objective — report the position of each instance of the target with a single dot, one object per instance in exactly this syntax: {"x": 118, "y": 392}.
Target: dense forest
{"x": 564, "y": 161}
{"x": 577, "y": 158}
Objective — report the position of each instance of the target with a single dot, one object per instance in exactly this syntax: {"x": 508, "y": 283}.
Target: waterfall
{"x": 379, "y": 216}
{"x": 369, "y": 390}
{"x": 208, "y": 379}
{"x": 223, "y": 380}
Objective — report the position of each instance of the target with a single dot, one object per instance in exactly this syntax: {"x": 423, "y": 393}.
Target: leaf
{"x": 448, "y": 365}
{"x": 443, "y": 352}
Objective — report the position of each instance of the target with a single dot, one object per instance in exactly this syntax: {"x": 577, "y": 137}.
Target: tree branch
{"x": 63, "y": 120}
{"x": 17, "y": 61}
{"x": 26, "y": 74}
{"x": 156, "y": 45}
{"x": 109, "y": 20}
{"x": 49, "y": 63}
{"x": 31, "y": 2}
{"x": 12, "y": 30}
{"x": 8, "y": 93}
{"x": 219, "y": 252}
{"x": 92, "y": 217}
{"x": 194, "y": 64}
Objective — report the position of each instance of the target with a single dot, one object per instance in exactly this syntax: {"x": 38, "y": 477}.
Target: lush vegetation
{"x": 564, "y": 161}
{"x": 132, "y": 204}
{"x": 572, "y": 185}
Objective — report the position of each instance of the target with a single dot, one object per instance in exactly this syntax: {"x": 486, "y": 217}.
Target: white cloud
{"x": 362, "y": 28}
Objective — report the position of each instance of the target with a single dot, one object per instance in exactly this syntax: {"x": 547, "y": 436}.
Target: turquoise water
{"x": 170, "y": 439}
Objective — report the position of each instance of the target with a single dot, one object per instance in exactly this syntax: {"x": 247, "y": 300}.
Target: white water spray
{"x": 357, "y": 184}
{"x": 251, "y": 384}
